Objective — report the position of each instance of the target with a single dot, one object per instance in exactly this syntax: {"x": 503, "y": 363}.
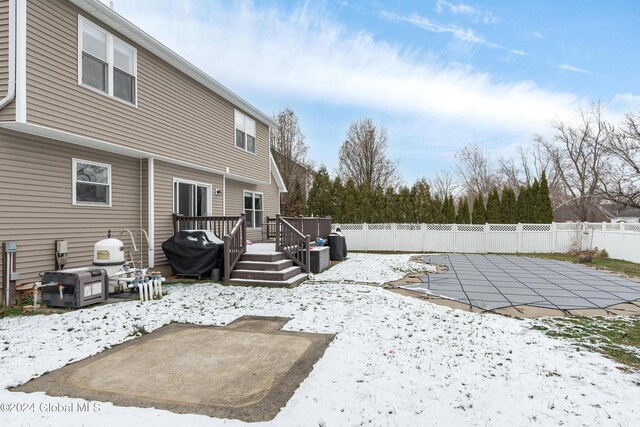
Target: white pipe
{"x": 151, "y": 216}
{"x": 11, "y": 83}
{"x": 224, "y": 195}
{"x": 133, "y": 242}
{"x": 141, "y": 293}
{"x": 7, "y": 282}
{"x": 35, "y": 298}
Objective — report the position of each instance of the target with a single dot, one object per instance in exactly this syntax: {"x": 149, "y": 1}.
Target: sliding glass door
{"x": 191, "y": 198}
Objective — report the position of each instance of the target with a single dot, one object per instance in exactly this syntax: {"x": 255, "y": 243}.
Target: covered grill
{"x": 194, "y": 253}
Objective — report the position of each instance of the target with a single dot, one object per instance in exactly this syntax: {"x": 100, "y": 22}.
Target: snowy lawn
{"x": 395, "y": 360}
{"x": 373, "y": 269}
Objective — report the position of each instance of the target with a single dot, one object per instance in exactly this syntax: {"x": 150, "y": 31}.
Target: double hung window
{"x": 106, "y": 64}
{"x": 245, "y": 132}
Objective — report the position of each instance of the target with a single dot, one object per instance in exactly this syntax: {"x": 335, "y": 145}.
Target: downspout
{"x": 151, "y": 212}
{"x": 11, "y": 83}
{"x": 224, "y": 195}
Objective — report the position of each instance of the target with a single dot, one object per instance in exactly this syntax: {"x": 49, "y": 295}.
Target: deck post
{"x": 277, "y": 232}
{"x": 227, "y": 260}
{"x": 244, "y": 232}
{"x": 307, "y": 262}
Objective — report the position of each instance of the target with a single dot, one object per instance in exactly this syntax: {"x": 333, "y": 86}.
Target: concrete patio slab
{"x": 247, "y": 370}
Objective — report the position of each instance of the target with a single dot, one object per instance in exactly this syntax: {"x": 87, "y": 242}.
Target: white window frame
{"x": 253, "y": 198}
{"x": 200, "y": 184}
{"x": 110, "y": 63}
{"x": 243, "y": 129}
{"x": 74, "y": 180}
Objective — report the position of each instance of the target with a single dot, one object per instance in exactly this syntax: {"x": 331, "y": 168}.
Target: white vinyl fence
{"x": 622, "y": 241}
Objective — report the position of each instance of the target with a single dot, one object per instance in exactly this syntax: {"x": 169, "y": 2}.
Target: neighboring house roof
{"x": 629, "y": 213}
{"x": 109, "y": 17}
{"x": 276, "y": 174}
{"x": 297, "y": 165}
{"x": 614, "y": 210}
{"x": 566, "y": 213}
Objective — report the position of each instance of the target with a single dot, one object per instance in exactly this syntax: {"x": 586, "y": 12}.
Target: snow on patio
{"x": 395, "y": 360}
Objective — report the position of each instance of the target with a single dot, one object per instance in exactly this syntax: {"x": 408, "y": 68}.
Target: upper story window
{"x": 245, "y": 132}
{"x": 91, "y": 183}
{"x": 106, "y": 64}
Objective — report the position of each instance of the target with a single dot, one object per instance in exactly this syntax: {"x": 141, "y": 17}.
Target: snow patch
{"x": 374, "y": 269}
{"x": 395, "y": 360}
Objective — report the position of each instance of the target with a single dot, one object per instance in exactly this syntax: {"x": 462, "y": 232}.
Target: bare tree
{"x": 475, "y": 171}
{"x": 291, "y": 156}
{"x": 578, "y": 153}
{"x": 363, "y": 156}
{"x": 443, "y": 185}
{"x": 528, "y": 165}
{"x": 621, "y": 176}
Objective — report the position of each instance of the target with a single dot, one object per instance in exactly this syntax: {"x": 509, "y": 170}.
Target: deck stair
{"x": 267, "y": 269}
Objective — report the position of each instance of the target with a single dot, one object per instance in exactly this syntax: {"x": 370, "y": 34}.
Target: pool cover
{"x": 496, "y": 281}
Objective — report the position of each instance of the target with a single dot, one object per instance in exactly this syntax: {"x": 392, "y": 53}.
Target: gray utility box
{"x": 319, "y": 259}
{"x": 80, "y": 287}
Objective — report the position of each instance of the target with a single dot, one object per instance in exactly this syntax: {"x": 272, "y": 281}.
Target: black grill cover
{"x": 194, "y": 252}
{"x": 337, "y": 246}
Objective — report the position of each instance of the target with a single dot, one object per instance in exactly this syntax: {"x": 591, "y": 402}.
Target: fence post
{"x": 422, "y": 233}
{"x": 394, "y": 228}
{"x": 454, "y": 227}
{"x": 486, "y": 238}
{"x": 622, "y": 233}
{"x": 519, "y": 245}
{"x": 366, "y": 240}
{"x": 554, "y": 237}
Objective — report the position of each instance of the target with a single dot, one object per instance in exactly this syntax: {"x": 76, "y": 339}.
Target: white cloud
{"x": 568, "y": 67}
{"x": 536, "y": 35}
{"x": 465, "y": 9}
{"x": 305, "y": 55}
{"x": 623, "y": 103}
{"x": 464, "y": 34}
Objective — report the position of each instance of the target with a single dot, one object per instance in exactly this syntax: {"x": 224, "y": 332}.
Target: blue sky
{"x": 437, "y": 74}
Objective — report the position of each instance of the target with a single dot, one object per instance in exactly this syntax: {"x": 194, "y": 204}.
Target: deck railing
{"x": 294, "y": 244}
{"x": 231, "y": 229}
{"x": 221, "y": 225}
{"x": 313, "y": 226}
{"x": 269, "y": 229}
{"x": 235, "y": 244}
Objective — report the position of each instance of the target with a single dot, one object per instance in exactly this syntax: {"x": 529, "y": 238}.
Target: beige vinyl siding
{"x": 163, "y": 189}
{"x": 8, "y": 113}
{"x": 176, "y": 117}
{"x": 234, "y": 200}
{"x": 36, "y": 202}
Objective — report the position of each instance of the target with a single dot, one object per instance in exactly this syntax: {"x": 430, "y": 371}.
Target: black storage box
{"x": 80, "y": 287}
{"x": 337, "y": 246}
{"x": 194, "y": 253}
